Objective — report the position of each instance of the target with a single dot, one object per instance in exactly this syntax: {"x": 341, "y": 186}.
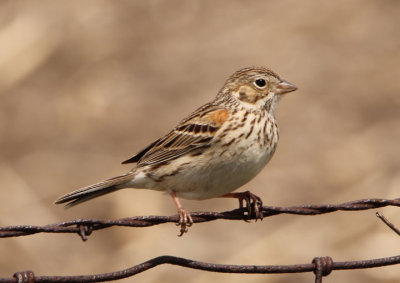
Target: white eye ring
{"x": 260, "y": 83}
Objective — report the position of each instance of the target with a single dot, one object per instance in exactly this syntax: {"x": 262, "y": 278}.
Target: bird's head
{"x": 255, "y": 88}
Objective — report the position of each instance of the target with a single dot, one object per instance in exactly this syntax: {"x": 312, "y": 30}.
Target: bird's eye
{"x": 260, "y": 83}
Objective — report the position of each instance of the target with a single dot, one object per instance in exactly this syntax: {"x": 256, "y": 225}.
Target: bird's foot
{"x": 249, "y": 200}
{"x": 253, "y": 204}
{"x": 185, "y": 221}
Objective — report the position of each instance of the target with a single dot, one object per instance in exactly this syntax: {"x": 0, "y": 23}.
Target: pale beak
{"x": 285, "y": 87}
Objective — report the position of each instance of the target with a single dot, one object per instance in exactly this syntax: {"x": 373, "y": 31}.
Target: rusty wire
{"x": 84, "y": 227}
{"x": 320, "y": 266}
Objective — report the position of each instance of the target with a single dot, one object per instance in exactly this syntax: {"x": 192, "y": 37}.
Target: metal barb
{"x": 389, "y": 224}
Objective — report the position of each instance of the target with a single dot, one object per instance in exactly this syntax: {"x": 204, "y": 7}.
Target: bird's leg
{"x": 185, "y": 220}
{"x": 253, "y": 203}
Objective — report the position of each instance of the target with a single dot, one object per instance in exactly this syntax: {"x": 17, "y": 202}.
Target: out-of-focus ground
{"x": 86, "y": 84}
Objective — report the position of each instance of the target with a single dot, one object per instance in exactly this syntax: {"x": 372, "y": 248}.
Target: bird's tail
{"x": 94, "y": 191}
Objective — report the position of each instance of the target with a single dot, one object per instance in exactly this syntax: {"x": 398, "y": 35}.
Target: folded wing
{"x": 195, "y": 132}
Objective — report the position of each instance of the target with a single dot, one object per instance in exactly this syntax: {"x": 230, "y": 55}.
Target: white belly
{"x": 219, "y": 178}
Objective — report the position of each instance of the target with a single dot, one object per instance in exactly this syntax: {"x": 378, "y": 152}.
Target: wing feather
{"x": 196, "y": 131}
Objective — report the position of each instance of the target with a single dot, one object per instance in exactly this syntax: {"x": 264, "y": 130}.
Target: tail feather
{"x": 94, "y": 191}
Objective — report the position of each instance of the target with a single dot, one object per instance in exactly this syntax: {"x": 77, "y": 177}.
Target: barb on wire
{"x": 321, "y": 266}
{"x": 84, "y": 227}
{"x": 389, "y": 224}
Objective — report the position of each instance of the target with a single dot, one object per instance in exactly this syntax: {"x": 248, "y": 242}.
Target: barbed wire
{"x": 84, "y": 227}
{"x": 320, "y": 266}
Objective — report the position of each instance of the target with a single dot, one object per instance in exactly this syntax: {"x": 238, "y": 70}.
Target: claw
{"x": 253, "y": 203}
{"x": 185, "y": 221}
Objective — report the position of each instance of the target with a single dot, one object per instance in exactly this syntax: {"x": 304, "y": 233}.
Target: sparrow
{"x": 212, "y": 152}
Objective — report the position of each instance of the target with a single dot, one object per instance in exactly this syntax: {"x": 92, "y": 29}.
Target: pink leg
{"x": 185, "y": 220}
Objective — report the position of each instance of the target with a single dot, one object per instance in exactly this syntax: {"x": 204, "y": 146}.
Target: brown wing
{"x": 197, "y": 131}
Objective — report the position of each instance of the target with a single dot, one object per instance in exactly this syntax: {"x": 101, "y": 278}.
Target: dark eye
{"x": 260, "y": 83}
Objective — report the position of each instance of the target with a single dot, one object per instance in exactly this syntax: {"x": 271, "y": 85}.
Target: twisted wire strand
{"x": 84, "y": 227}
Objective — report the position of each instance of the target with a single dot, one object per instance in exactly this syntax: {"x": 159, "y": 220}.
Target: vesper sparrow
{"x": 215, "y": 150}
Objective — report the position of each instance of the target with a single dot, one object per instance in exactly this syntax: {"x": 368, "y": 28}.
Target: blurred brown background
{"x": 86, "y": 84}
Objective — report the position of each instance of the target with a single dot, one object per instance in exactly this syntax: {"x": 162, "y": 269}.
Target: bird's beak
{"x": 285, "y": 87}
